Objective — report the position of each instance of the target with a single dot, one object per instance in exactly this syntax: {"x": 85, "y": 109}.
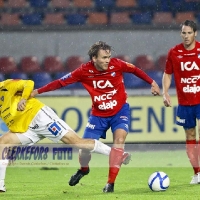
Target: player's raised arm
{"x": 48, "y": 87}
{"x": 130, "y": 68}
{"x": 34, "y": 93}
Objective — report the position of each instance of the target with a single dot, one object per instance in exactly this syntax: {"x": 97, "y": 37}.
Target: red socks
{"x": 115, "y": 161}
{"x": 84, "y": 161}
{"x": 192, "y": 152}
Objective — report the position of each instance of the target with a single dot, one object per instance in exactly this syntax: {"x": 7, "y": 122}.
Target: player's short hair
{"x": 190, "y": 23}
{"x": 94, "y": 49}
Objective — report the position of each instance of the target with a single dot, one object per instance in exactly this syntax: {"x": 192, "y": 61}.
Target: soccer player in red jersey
{"x": 184, "y": 62}
{"x": 102, "y": 77}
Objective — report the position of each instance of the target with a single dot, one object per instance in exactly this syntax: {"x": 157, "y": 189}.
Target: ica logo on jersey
{"x": 189, "y": 66}
{"x": 102, "y": 84}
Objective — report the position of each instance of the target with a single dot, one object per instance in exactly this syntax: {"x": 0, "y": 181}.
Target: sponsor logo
{"x": 91, "y": 71}
{"x": 179, "y": 56}
{"x": 180, "y": 50}
{"x": 189, "y": 66}
{"x": 191, "y": 89}
{"x": 113, "y": 74}
{"x": 106, "y": 96}
{"x": 108, "y": 105}
{"x": 111, "y": 67}
{"x": 193, "y": 79}
{"x": 180, "y": 120}
{"x": 126, "y": 126}
{"x": 54, "y": 128}
{"x": 66, "y": 76}
{"x": 91, "y": 126}
{"x": 7, "y": 116}
{"x": 124, "y": 118}
{"x": 102, "y": 84}
{"x": 10, "y": 123}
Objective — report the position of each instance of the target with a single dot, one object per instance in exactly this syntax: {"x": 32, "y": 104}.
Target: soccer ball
{"x": 158, "y": 181}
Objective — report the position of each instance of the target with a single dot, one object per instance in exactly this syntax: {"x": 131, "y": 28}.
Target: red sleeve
{"x": 130, "y": 68}
{"x": 49, "y": 87}
{"x": 141, "y": 74}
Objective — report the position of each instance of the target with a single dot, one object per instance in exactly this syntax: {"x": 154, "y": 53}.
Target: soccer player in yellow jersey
{"x": 29, "y": 121}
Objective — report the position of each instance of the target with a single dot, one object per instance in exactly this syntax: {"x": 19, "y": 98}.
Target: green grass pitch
{"x": 34, "y": 183}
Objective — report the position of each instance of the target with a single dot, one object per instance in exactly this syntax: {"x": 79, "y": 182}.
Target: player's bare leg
{"x": 7, "y": 140}
{"x": 91, "y": 145}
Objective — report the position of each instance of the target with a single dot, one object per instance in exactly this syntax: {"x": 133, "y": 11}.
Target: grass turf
{"x": 131, "y": 183}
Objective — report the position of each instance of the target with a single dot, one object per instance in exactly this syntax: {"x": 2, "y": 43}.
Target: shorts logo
{"x": 126, "y": 126}
{"x": 90, "y": 125}
{"x": 182, "y": 121}
{"x": 35, "y": 126}
{"x": 125, "y": 118}
{"x": 54, "y": 128}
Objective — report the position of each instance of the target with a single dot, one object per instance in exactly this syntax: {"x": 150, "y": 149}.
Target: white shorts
{"x": 45, "y": 124}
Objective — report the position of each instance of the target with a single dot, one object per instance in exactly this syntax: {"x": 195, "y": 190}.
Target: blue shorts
{"x": 187, "y": 115}
{"x": 97, "y": 126}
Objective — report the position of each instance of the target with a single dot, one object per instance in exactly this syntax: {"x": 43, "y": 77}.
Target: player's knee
{"x": 4, "y": 140}
{"x": 84, "y": 152}
{"x": 71, "y": 138}
{"x": 119, "y": 140}
{"x": 190, "y": 134}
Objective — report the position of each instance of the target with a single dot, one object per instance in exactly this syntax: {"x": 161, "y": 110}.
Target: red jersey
{"x": 185, "y": 64}
{"x": 106, "y": 88}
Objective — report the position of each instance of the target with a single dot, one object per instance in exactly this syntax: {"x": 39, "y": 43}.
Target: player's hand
{"x": 155, "y": 90}
{"x": 21, "y": 105}
{"x": 34, "y": 93}
{"x": 166, "y": 100}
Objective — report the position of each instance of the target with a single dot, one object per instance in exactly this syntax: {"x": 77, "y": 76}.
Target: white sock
{"x": 101, "y": 148}
{"x": 3, "y": 166}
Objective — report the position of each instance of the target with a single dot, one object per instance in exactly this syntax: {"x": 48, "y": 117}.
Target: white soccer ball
{"x": 158, "y": 181}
